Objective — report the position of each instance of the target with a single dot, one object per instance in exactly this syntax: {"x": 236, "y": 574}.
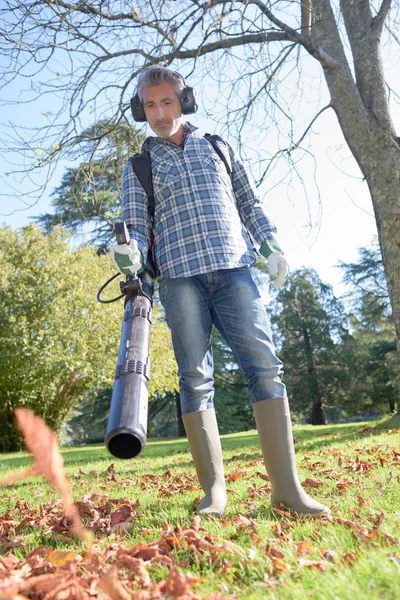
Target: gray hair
{"x": 155, "y": 75}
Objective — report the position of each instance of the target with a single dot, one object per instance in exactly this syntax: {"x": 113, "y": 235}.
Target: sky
{"x": 316, "y": 232}
{"x": 342, "y": 221}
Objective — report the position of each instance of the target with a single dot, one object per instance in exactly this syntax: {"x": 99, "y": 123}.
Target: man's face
{"x": 163, "y": 111}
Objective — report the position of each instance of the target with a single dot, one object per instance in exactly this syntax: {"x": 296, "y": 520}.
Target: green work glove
{"x": 277, "y": 263}
{"x": 127, "y": 258}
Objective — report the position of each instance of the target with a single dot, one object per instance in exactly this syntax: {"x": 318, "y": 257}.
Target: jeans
{"x": 230, "y": 300}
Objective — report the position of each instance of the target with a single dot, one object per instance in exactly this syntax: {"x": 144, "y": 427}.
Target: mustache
{"x": 163, "y": 122}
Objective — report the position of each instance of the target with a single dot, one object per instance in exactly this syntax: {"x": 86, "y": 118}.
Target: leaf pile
{"x": 119, "y": 571}
{"x": 133, "y": 555}
{"x": 41, "y": 441}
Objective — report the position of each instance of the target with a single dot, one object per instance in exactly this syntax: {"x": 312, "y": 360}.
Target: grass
{"x": 253, "y": 552}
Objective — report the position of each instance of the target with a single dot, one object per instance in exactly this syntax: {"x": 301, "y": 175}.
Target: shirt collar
{"x": 188, "y": 129}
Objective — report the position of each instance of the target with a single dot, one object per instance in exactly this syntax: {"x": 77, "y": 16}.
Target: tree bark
{"x": 181, "y": 427}
{"x": 361, "y": 106}
{"x": 317, "y": 415}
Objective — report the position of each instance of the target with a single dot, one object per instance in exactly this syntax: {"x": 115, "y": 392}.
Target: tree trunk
{"x": 317, "y": 417}
{"x": 181, "y": 427}
{"x": 361, "y": 107}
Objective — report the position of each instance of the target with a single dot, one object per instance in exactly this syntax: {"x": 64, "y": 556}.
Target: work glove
{"x": 278, "y": 268}
{"x": 127, "y": 258}
{"x": 277, "y": 263}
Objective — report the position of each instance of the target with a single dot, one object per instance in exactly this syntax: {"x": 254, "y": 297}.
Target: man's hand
{"x": 127, "y": 258}
{"x": 278, "y": 268}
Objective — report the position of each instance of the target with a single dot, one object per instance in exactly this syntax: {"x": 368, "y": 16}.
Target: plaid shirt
{"x": 199, "y": 209}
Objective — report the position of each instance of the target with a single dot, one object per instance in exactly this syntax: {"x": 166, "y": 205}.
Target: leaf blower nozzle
{"x": 127, "y": 422}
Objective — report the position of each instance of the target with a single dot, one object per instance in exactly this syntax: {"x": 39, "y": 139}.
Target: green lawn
{"x": 142, "y": 516}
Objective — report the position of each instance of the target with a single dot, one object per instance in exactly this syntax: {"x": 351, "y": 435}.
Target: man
{"x": 203, "y": 254}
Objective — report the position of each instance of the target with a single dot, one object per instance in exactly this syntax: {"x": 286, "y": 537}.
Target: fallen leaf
{"x": 342, "y": 485}
{"x": 314, "y": 483}
{"x": 272, "y": 551}
{"x": 41, "y": 441}
{"x": 110, "y": 584}
{"x": 178, "y": 584}
{"x": 263, "y": 476}
{"x": 13, "y": 597}
{"x": 61, "y": 557}
{"x": 235, "y": 476}
{"x": 330, "y": 555}
{"x": 317, "y": 564}
{"x": 349, "y": 558}
{"x": 304, "y": 547}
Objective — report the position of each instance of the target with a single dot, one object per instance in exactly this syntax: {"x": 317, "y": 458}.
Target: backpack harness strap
{"x": 141, "y": 164}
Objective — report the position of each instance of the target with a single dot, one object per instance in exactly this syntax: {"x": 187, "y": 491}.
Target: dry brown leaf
{"x": 330, "y": 555}
{"x": 314, "y": 483}
{"x": 317, "y": 564}
{"x": 122, "y": 518}
{"x": 41, "y": 441}
{"x": 273, "y": 551}
{"x": 279, "y": 565}
{"x": 111, "y": 585}
{"x": 304, "y": 547}
{"x": 349, "y": 558}
{"x": 195, "y": 524}
{"x": 62, "y": 557}
{"x": 237, "y": 475}
{"x": 12, "y": 597}
{"x": 263, "y": 476}
{"x": 178, "y": 584}
{"x": 342, "y": 485}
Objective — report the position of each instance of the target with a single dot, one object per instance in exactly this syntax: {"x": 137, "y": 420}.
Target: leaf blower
{"x": 127, "y": 422}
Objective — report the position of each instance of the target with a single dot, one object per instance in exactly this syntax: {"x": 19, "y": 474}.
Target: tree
{"x": 310, "y": 328}
{"x": 58, "y": 346}
{"x": 87, "y": 54}
{"x": 373, "y": 333}
{"x": 88, "y": 198}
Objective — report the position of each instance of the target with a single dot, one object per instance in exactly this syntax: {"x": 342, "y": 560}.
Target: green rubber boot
{"x": 274, "y": 428}
{"x": 205, "y": 445}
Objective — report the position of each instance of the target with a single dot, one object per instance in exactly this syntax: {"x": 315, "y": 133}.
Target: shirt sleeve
{"x": 135, "y": 209}
{"x": 250, "y": 206}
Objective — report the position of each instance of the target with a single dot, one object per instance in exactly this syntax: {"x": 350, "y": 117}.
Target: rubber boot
{"x": 274, "y": 428}
{"x": 205, "y": 445}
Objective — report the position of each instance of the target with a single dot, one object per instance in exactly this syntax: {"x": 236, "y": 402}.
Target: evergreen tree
{"x": 88, "y": 199}
{"x": 310, "y": 326}
{"x": 373, "y": 331}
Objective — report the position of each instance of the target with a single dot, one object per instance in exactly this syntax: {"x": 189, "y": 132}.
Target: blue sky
{"x": 341, "y": 223}
{"x": 317, "y": 231}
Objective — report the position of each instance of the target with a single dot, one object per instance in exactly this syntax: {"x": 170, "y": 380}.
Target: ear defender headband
{"x": 187, "y": 100}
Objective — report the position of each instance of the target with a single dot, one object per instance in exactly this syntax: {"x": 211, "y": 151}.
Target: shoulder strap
{"x": 222, "y": 149}
{"x": 141, "y": 164}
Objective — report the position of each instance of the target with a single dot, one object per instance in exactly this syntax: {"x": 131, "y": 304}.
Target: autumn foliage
{"x": 97, "y": 546}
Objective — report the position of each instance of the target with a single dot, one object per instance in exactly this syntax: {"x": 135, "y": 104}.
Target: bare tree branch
{"x": 378, "y": 21}
{"x": 296, "y": 145}
{"x": 306, "y": 17}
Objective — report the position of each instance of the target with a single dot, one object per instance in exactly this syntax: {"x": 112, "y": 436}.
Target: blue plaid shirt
{"x": 199, "y": 210}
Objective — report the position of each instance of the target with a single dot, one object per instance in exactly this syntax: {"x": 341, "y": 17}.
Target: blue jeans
{"x": 230, "y": 300}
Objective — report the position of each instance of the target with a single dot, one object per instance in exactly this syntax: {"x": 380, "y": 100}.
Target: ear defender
{"x": 137, "y": 110}
{"x": 187, "y": 99}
